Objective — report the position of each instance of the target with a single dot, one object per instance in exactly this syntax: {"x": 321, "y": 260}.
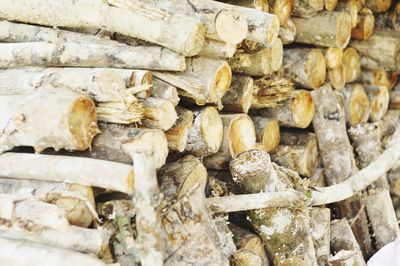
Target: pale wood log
{"x": 382, "y": 49}
{"x": 271, "y": 91}
{"x": 330, "y": 5}
{"x": 387, "y": 125}
{"x": 297, "y": 111}
{"x": 238, "y": 136}
{"x": 164, "y": 90}
{"x": 356, "y": 104}
{"x": 345, "y": 257}
{"x": 205, "y": 80}
{"x": 337, "y": 77}
{"x": 335, "y": 32}
{"x": 306, "y": 67}
{"x": 390, "y": 19}
{"x": 379, "y": 99}
{"x": 306, "y": 9}
{"x": 320, "y": 222}
{"x": 39, "y": 254}
{"x": 239, "y": 97}
{"x": 70, "y": 125}
{"x": 262, "y": 5}
{"x": 282, "y": 9}
{"x": 377, "y": 77}
{"x": 351, "y": 63}
{"x": 245, "y": 257}
{"x": 287, "y": 32}
{"x": 223, "y": 23}
{"x": 365, "y": 25}
{"x": 217, "y": 49}
{"x": 318, "y": 178}
{"x": 177, "y": 136}
{"x": 267, "y": 132}
{"x": 333, "y": 57}
{"x": 350, "y": 7}
{"x": 158, "y": 113}
{"x": 206, "y": 133}
{"x": 84, "y": 171}
{"x": 378, "y": 6}
{"x": 297, "y": 151}
{"x": 394, "y": 100}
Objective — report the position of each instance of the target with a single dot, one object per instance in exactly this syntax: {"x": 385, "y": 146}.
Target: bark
{"x": 333, "y": 57}
{"x": 388, "y": 124}
{"x": 335, "y": 32}
{"x": 297, "y": 151}
{"x": 351, "y": 8}
{"x": 238, "y": 136}
{"x": 365, "y": 25}
{"x": 389, "y": 20}
{"x": 205, "y": 80}
{"x": 378, "y": 6}
{"x": 262, "y": 5}
{"x": 295, "y": 112}
{"x": 306, "y": 9}
{"x": 320, "y": 221}
{"x": 217, "y": 49}
{"x": 287, "y": 32}
{"x": 356, "y": 104}
{"x": 240, "y": 95}
{"x": 177, "y": 136}
{"x": 377, "y": 77}
{"x": 351, "y": 63}
{"x": 305, "y": 67}
{"x": 166, "y": 91}
{"x": 394, "y": 100}
{"x": 267, "y": 132}
{"x": 158, "y": 113}
{"x": 84, "y": 171}
{"x": 379, "y": 99}
{"x": 271, "y": 91}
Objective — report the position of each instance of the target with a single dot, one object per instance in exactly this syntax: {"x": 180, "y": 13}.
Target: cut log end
{"x": 273, "y": 30}
{"x": 220, "y": 83}
{"x": 315, "y": 68}
{"x": 271, "y": 136}
{"x": 211, "y": 129}
{"x": 379, "y": 103}
{"x": 303, "y": 109}
{"x": 358, "y": 106}
{"x": 330, "y": 5}
{"x": 196, "y": 40}
{"x": 249, "y": 164}
{"x": 337, "y": 77}
{"x": 333, "y": 57}
{"x": 239, "y": 137}
{"x": 343, "y": 29}
{"x": 226, "y": 21}
{"x": 365, "y": 26}
{"x": 351, "y": 63}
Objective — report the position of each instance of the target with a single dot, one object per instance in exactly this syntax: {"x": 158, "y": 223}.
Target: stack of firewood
{"x": 177, "y": 132}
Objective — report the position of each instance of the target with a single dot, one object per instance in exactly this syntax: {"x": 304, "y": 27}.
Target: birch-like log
{"x": 306, "y": 67}
{"x": 320, "y": 222}
{"x": 390, "y": 19}
{"x": 377, "y": 77}
{"x": 282, "y": 9}
{"x": 378, "y": 6}
{"x": 356, "y": 104}
{"x": 217, "y": 49}
{"x": 351, "y": 8}
{"x": 307, "y": 8}
{"x": 84, "y": 171}
{"x": 158, "y": 113}
{"x": 379, "y": 99}
{"x": 394, "y": 100}
{"x": 351, "y": 63}
{"x": 271, "y": 91}
{"x": 387, "y": 125}
{"x": 330, "y": 5}
{"x": 267, "y": 132}
{"x": 365, "y": 25}
{"x": 262, "y": 5}
{"x": 337, "y": 77}
{"x": 240, "y": 95}
{"x": 162, "y": 89}
{"x": 177, "y": 136}
{"x": 335, "y": 32}
{"x": 333, "y": 57}
{"x": 287, "y": 32}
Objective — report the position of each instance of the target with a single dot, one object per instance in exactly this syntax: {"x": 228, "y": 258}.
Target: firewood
{"x": 356, "y": 104}
{"x": 262, "y": 5}
{"x": 217, "y": 49}
{"x": 377, "y": 77}
{"x": 238, "y": 136}
{"x": 287, "y": 32}
{"x": 240, "y": 95}
{"x": 158, "y": 113}
{"x": 261, "y": 63}
{"x": 177, "y": 136}
{"x": 351, "y": 63}
{"x": 350, "y": 7}
{"x": 333, "y": 57}
{"x": 381, "y": 50}
{"x": 40, "y": 254}
{"x": 379, "y": 99}
{"x": 205, "y": 80}
{"x": 281, "y": 8}
{"x": 267, "y": 132}
{"x": 206, "y": 133}
{"x": 378, "y": 6}
{"x": 295, "y": 112}
{"x": 297, "y": 151}
{"x": 388, "y": 124}
{"x": 320, "y": 222}
{"x": 330, "y": 5}
{"x": 71, "y": 125}
{"x": 84, "y": 171}
{"x": 389, "y": 20}
{"x": 271, "y": 91}
{"x": 166, "y": 91}
{"x": 335, "y": 33}
{"x": 394, "y": 100}
{"x": 306, "y": 67}
{"x": 365, "y": 25}
{"x": 337, "y": 77}
{"x": 306, "y": 9}
{"x": 282, "y": 230}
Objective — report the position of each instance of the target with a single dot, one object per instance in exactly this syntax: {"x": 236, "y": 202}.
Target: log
{"x": 305, "y": 67}
{"x": 217, "y": 49}
{"x": 356, "y": 104}
{"x": 381, "y": 50}
{"x": 351, "y": 8}
{"x": 297, "y": 151}
{"x": 387, "y": 125}
{"x": 378, "y": 6}
{"x": 158, "y": 113}
{"x": 306, "y": 9}
{"x": 262, "y": 5}
{"x": 351, "y": 63}
{"x": 271, "y": 91}
{"x": 205, "y": 80}
{"x": 377, "y": 77}
{"x": 337, "y": 77}
{"x": 320, "y": 222}
{"x": 365, "y": 25}
{"x": 177, "y": 136}
{"x": 220, "y": 223}
{"x": 333, "y": 57}
{"x": 166, "y": 91}
{"x": 379, "y": 99}
{"x": 39, "y": 254}
{"x": 287, "y": 32}
{"x": 238, "y": 136}
{"x": 389, "y": 20}
{"x": 70, "y": 125}
{"x": 282, "y": 9}
{"x": 240, "y": 95}
{"x": 330, "y": 5}
{"x": 394, "y": 100}
{"x": 335, "y": 33}
{"x": 261, "y": 63}
{"x": 206, "y": 133}
{"x": 83, "y": 171}
{"x": 345, "y": 257}
{"x": 295, "y": 112}
{"x": 267, "y": 132}
{"x": 113, "y": 101}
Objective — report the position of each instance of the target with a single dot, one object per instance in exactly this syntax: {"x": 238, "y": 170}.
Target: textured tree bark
{"x": 217, "y": 49}
{"x": 205, "y": 80}
{"x": 84, "y": 171}
{"x": 388, "y": 124}
{"x": 267, "y": 132}
{"x": 238, "y": 136}
{"x": 306, "y": 67}
{"x": 320, "y": 222}
{"x": 352, "y": 64}
{"x": 378, "y": 6}
{"x": 306, "y": 9}
{"x": 166, "y": 91}
{"x": 356, "y": 104}
{"x": 379, "y": 99}
{"x": 389, "y": 20}
{"x": 297, "y": 111}
{"x": 158, "y": 113}
{"x": 287, "y": 32}
{"x": 335, "y": 33}
{"x": 206, "y": 133}
{"x": 177, "y": 136}
{"x": 239, "y": 96}
{"x": 271, "y": 91}
{"x": 297, "y": 151}
{"x": 365, "y": 25}
{"x": 70, "y": 125}
{"x": 377, "y": 77}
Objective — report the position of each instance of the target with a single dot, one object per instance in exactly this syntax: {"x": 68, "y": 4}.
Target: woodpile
{"x": 152, "y": 132}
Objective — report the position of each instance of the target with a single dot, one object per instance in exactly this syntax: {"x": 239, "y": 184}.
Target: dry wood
{"x": 205, "y": 80}
{"x": 330, "y": 5}
{"x": 267, "y": 132}
{"x": 158, "y": 113}
{"x": 271, "y": 91}
{"x": 238, "y": 136}
{"x": 262, "y": 5}
{"x": 337, "y": 77}
{"x": 287, "y": 32}
{"x": 377, "y": 77}
{"x": 350, "y": 7}
{"x": 388, "y": 124}
{"x": 297, "y": 151}
{"x": 164, "y": 90}
{"x": 378, "y": 6}
{"x": 84, "y": 171}
{"x": 177, "y": 136}
{"x": 365, "y": 25}
{"x": 394, "y": 100}
{"x": 295, "y": 112}
{"x": 356, "y": 104}
{"x": 306, "y": 67}
{"x": 333, "y": 57}
{"x": 282, "y": 9}
{"x": 379, "y": 99}
{"x": 70, "y": 125}
{"x": 351, "y": 63}
{"x": 389, "y": 20}
{"x": 217, "y": 49}
{"x": 335, "y": 32}
{"x": 306, "y": 8}
{"x": 320, "y": 222}
{"x": 206, "y": 133}
{"x": 239, "y": 97}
